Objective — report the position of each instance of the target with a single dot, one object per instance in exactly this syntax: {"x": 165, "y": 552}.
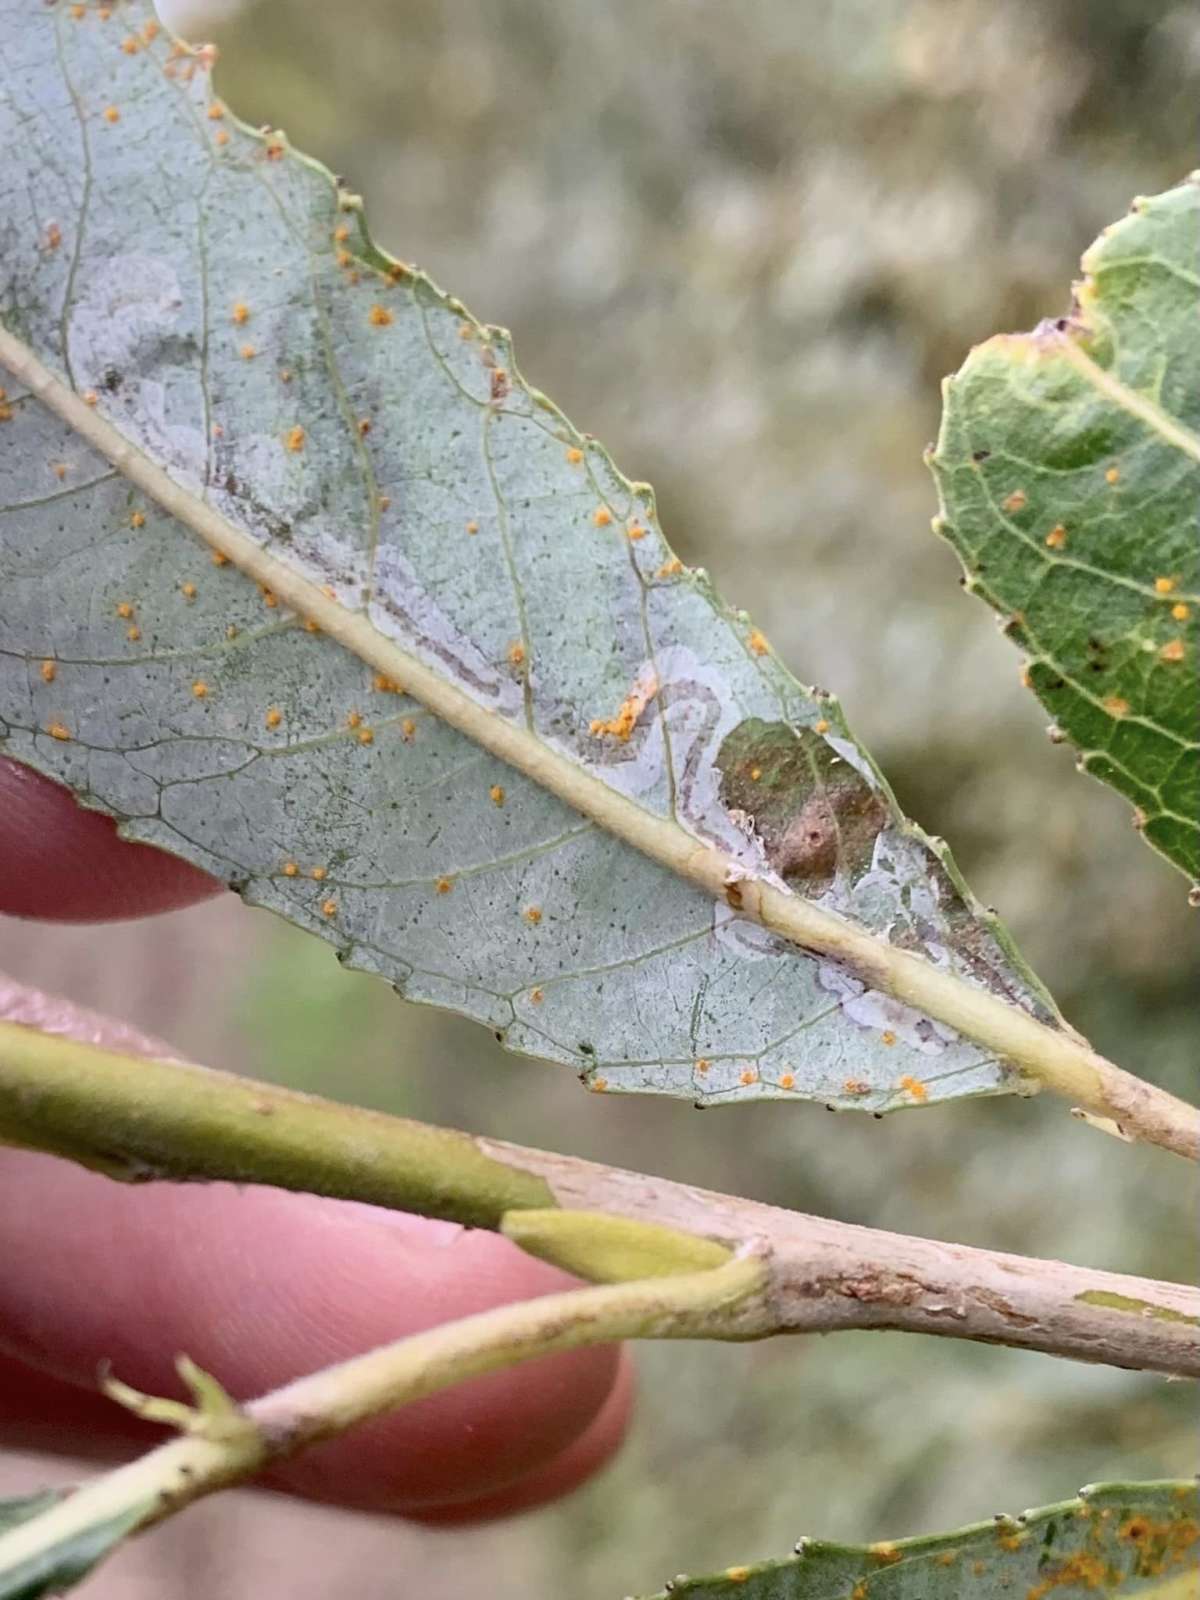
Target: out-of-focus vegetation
{"x": 741, "y": 245}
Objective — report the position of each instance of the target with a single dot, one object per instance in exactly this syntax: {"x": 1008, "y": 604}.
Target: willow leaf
{"x": 1069, "y": 471}
{"x": 1126, "y": 1539}
{"x": 60, "y": 1568}
{"x": 212, "y": 359}
{"x": 18, "y": 1509}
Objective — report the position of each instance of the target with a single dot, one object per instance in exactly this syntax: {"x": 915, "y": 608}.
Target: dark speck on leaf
{"x": 980, "y": 455}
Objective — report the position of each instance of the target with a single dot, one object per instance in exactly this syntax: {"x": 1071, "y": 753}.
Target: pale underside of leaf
{"x": 1127, "y": 1540}
{"x": 56, "y": 1570}
{"x": 312, "y": 407}
{"x": 1069, "y": 470}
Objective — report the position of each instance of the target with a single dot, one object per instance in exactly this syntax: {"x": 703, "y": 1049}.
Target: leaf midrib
{"x": 1128, "y": 400}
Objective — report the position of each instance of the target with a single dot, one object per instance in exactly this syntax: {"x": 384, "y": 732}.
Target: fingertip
{"x": 64, "y": 863}
{"x": 591, "y": 1452}
{"x": 260, "y": 1287}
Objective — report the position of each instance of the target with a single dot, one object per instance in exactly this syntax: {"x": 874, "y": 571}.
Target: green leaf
{"x": 20, "y": 1509}
{"x": 1116, "y": 1539}
{"x": 59, "y": 1568}
{"x": 216, "y": 300}
{"x": 1069, "y": 472}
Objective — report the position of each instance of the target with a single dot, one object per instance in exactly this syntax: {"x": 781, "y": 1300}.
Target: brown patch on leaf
{"x": 814, "y": 813}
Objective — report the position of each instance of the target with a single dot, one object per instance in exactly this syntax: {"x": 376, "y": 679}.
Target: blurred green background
{"x": 741, "y": 244}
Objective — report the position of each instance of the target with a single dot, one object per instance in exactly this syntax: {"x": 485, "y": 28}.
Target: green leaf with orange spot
{"x": 1124, "y": 1541}
{"x": 1068, "y": 467}
{"x": 213, "y": 349}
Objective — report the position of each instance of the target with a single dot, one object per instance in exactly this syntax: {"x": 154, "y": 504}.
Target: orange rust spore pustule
{"x": 1080, "y": 1571}
{"x": 621, "y": 726}
{"x": 1056, "y": 539}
